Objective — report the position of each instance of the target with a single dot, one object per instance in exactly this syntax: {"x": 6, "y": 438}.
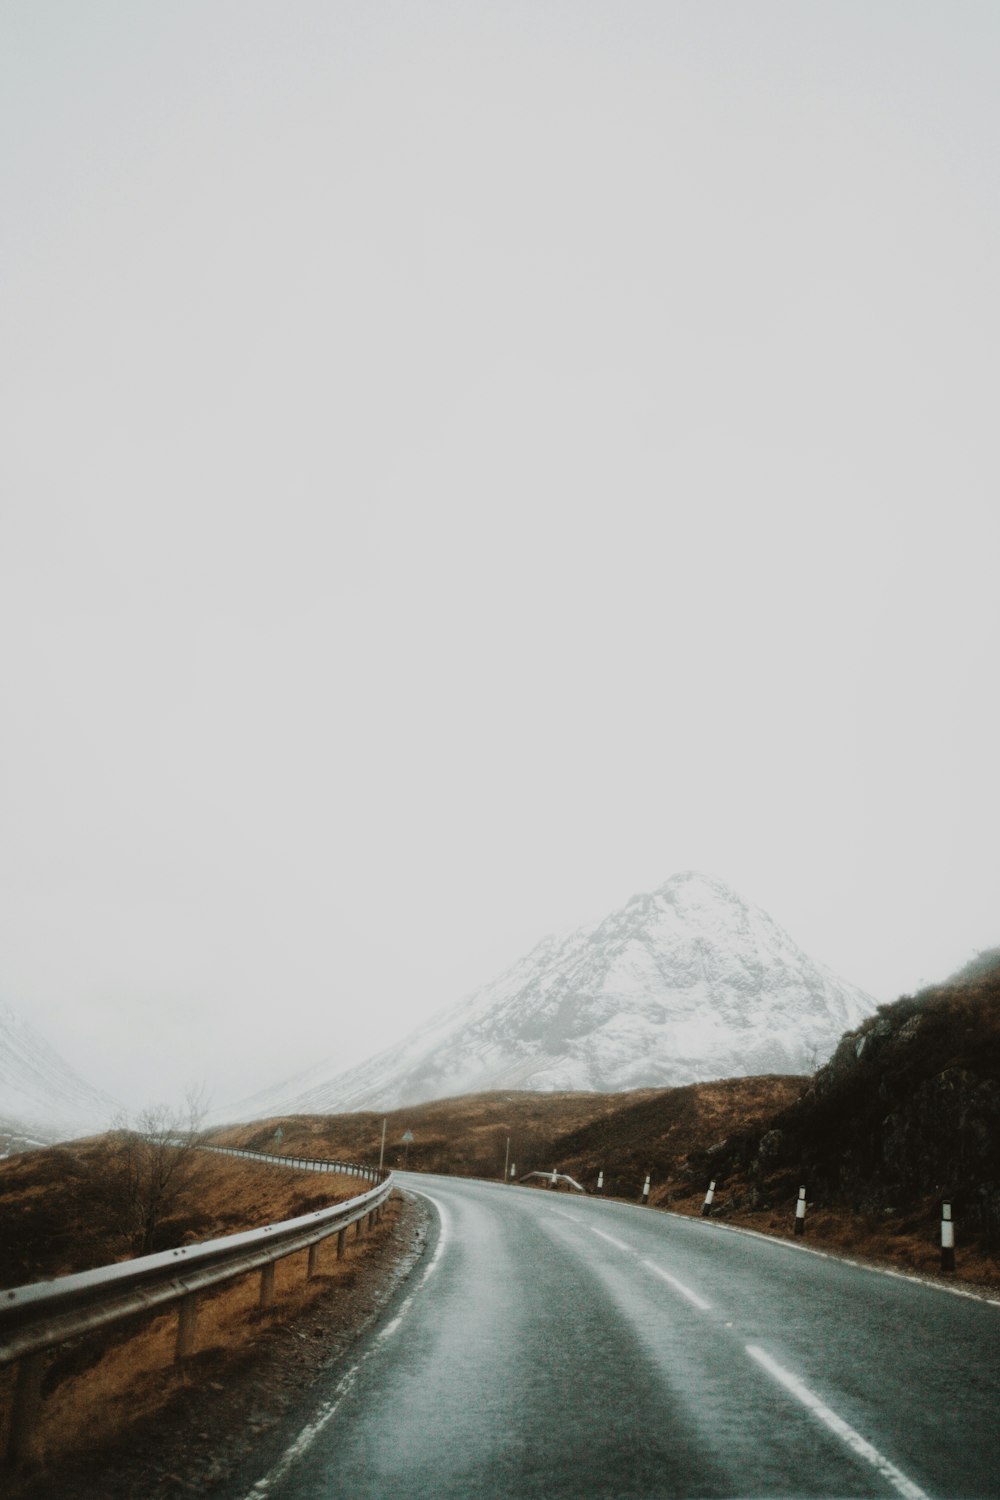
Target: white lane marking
{"x": 678, "y": 1286}
{"x": 329, "y": 1409}
{"x": 685, "y": 1291}
{"x": 711, "y": 1225}
{"x": 618, "y": 1244}
{"x": 837, "y": 1425}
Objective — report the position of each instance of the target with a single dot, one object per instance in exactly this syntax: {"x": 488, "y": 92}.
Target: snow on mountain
{"x": 685, "y": 984}
{"x": 40, "y": 1094}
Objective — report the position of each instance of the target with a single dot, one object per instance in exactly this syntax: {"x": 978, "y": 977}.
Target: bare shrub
{"x": 143, "y": 1167}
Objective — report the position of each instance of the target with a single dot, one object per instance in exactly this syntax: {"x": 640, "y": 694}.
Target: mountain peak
{"x": 682, "y": 984}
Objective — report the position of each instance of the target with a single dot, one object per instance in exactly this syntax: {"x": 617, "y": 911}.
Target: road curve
{"x": 554, "y": 1346}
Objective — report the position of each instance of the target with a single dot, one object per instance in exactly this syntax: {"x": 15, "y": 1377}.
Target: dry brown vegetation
{"x": 625, "y": 1135}
{"x": 52, "y": 1225}
{"x": 92, "y": 1383}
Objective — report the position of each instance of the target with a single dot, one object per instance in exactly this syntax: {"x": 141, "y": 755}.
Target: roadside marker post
{"x": 513, "y": 1169}
{"x": 947, "y": 1238}
{"x": 708, "y": 1199}
{"x": 800, "y": 1212}
{"x": 645, "y": 1191}
{"x": 600, "y": 1181}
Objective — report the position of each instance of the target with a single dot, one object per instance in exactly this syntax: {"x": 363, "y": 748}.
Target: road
{"x": 555, "y": 1346}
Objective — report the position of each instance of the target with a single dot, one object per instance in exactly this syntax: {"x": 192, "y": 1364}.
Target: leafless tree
{"x": 144, "y": 1167}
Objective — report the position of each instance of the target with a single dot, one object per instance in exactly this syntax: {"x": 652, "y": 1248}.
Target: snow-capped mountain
{"x": 682, "y": 985}
{"x": 40, "y": 1094}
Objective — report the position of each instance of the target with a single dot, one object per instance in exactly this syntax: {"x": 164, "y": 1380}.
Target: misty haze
{"x": 498, "y": 536}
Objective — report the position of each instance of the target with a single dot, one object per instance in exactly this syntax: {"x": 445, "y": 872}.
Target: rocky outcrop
{"x": 907, "y": 1109}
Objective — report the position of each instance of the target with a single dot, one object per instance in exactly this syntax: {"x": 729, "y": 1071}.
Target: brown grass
{"x": 93, "y": 1384}
{"x": 626, "y": 1135}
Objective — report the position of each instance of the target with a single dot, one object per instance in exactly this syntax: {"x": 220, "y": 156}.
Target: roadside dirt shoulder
{"x": 221, "y": 1429}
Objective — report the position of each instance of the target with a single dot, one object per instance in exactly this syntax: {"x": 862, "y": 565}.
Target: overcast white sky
{"x": 464, "y": 463}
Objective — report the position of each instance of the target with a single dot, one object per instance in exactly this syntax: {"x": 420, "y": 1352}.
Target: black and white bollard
{"x": 708, "y": 1199}
{"x": 947, "y": 1238}
{"x": 645, "y": 1191}
{"x": 800, "y": 1212}
{"x": 600, "y": 1181}
{"x": 552, "y": 1181}
{"x": 513, "y": 1169}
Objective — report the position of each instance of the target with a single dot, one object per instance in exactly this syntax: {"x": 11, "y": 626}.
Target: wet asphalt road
{"x": 554, "y": 1346}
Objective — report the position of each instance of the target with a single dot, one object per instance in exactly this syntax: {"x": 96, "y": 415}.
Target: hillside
{"x": 623, "y": 1135}
{"x": 905, "y": 1113}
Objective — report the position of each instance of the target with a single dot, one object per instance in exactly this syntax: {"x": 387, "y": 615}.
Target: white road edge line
{"x": 845, "y": 1260}
{"x": 329, "y": 1409}
{"x": 837, "y": 1425}
{"x": 678, "y": 1286}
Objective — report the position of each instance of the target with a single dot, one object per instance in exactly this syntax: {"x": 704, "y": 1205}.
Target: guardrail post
{"x": 341, "y": 1243}
{"x": 187, "y": 1325}
{"x": 27, "y": 1405}
{"x": 359, "y": 1227}
{"x": 267, "y": 1286}
{"x": 313, "y": 1261}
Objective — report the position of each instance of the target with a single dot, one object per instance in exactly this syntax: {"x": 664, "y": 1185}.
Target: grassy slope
{"x": 626, "y": 1135}
{"x": 49, "y": 1225}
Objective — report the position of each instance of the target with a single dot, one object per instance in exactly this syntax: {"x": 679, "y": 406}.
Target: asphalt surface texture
{"x": 554, "y": 1346}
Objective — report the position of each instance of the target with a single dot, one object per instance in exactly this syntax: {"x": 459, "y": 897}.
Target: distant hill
{"x": 42, "y": 1098}
{"x": 682, "y": 985}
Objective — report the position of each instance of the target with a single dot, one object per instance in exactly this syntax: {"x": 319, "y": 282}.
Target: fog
{"x": 464, "y": 464}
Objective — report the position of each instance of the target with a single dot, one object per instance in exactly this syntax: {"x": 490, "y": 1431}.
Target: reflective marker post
{"x": 800, "y": 1212}
{"x": 947, "y": 1238}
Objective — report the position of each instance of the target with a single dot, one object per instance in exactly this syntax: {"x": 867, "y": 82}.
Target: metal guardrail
{"x": 44, "y": 1314}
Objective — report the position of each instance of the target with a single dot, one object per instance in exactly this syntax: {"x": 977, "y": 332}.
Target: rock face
{"x": 685, "y": 984}
{"x": 907, "y": 1108}
{"x": 41, "y": 1097}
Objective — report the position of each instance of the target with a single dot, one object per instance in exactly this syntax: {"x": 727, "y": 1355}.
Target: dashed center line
{"x": 678, "y": 1286}
{"x": 837, "y": 1425}
{"x": 791, "y": 1383}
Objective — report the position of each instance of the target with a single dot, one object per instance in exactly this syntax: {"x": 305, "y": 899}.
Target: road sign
{"x": 407, "y": 1137}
